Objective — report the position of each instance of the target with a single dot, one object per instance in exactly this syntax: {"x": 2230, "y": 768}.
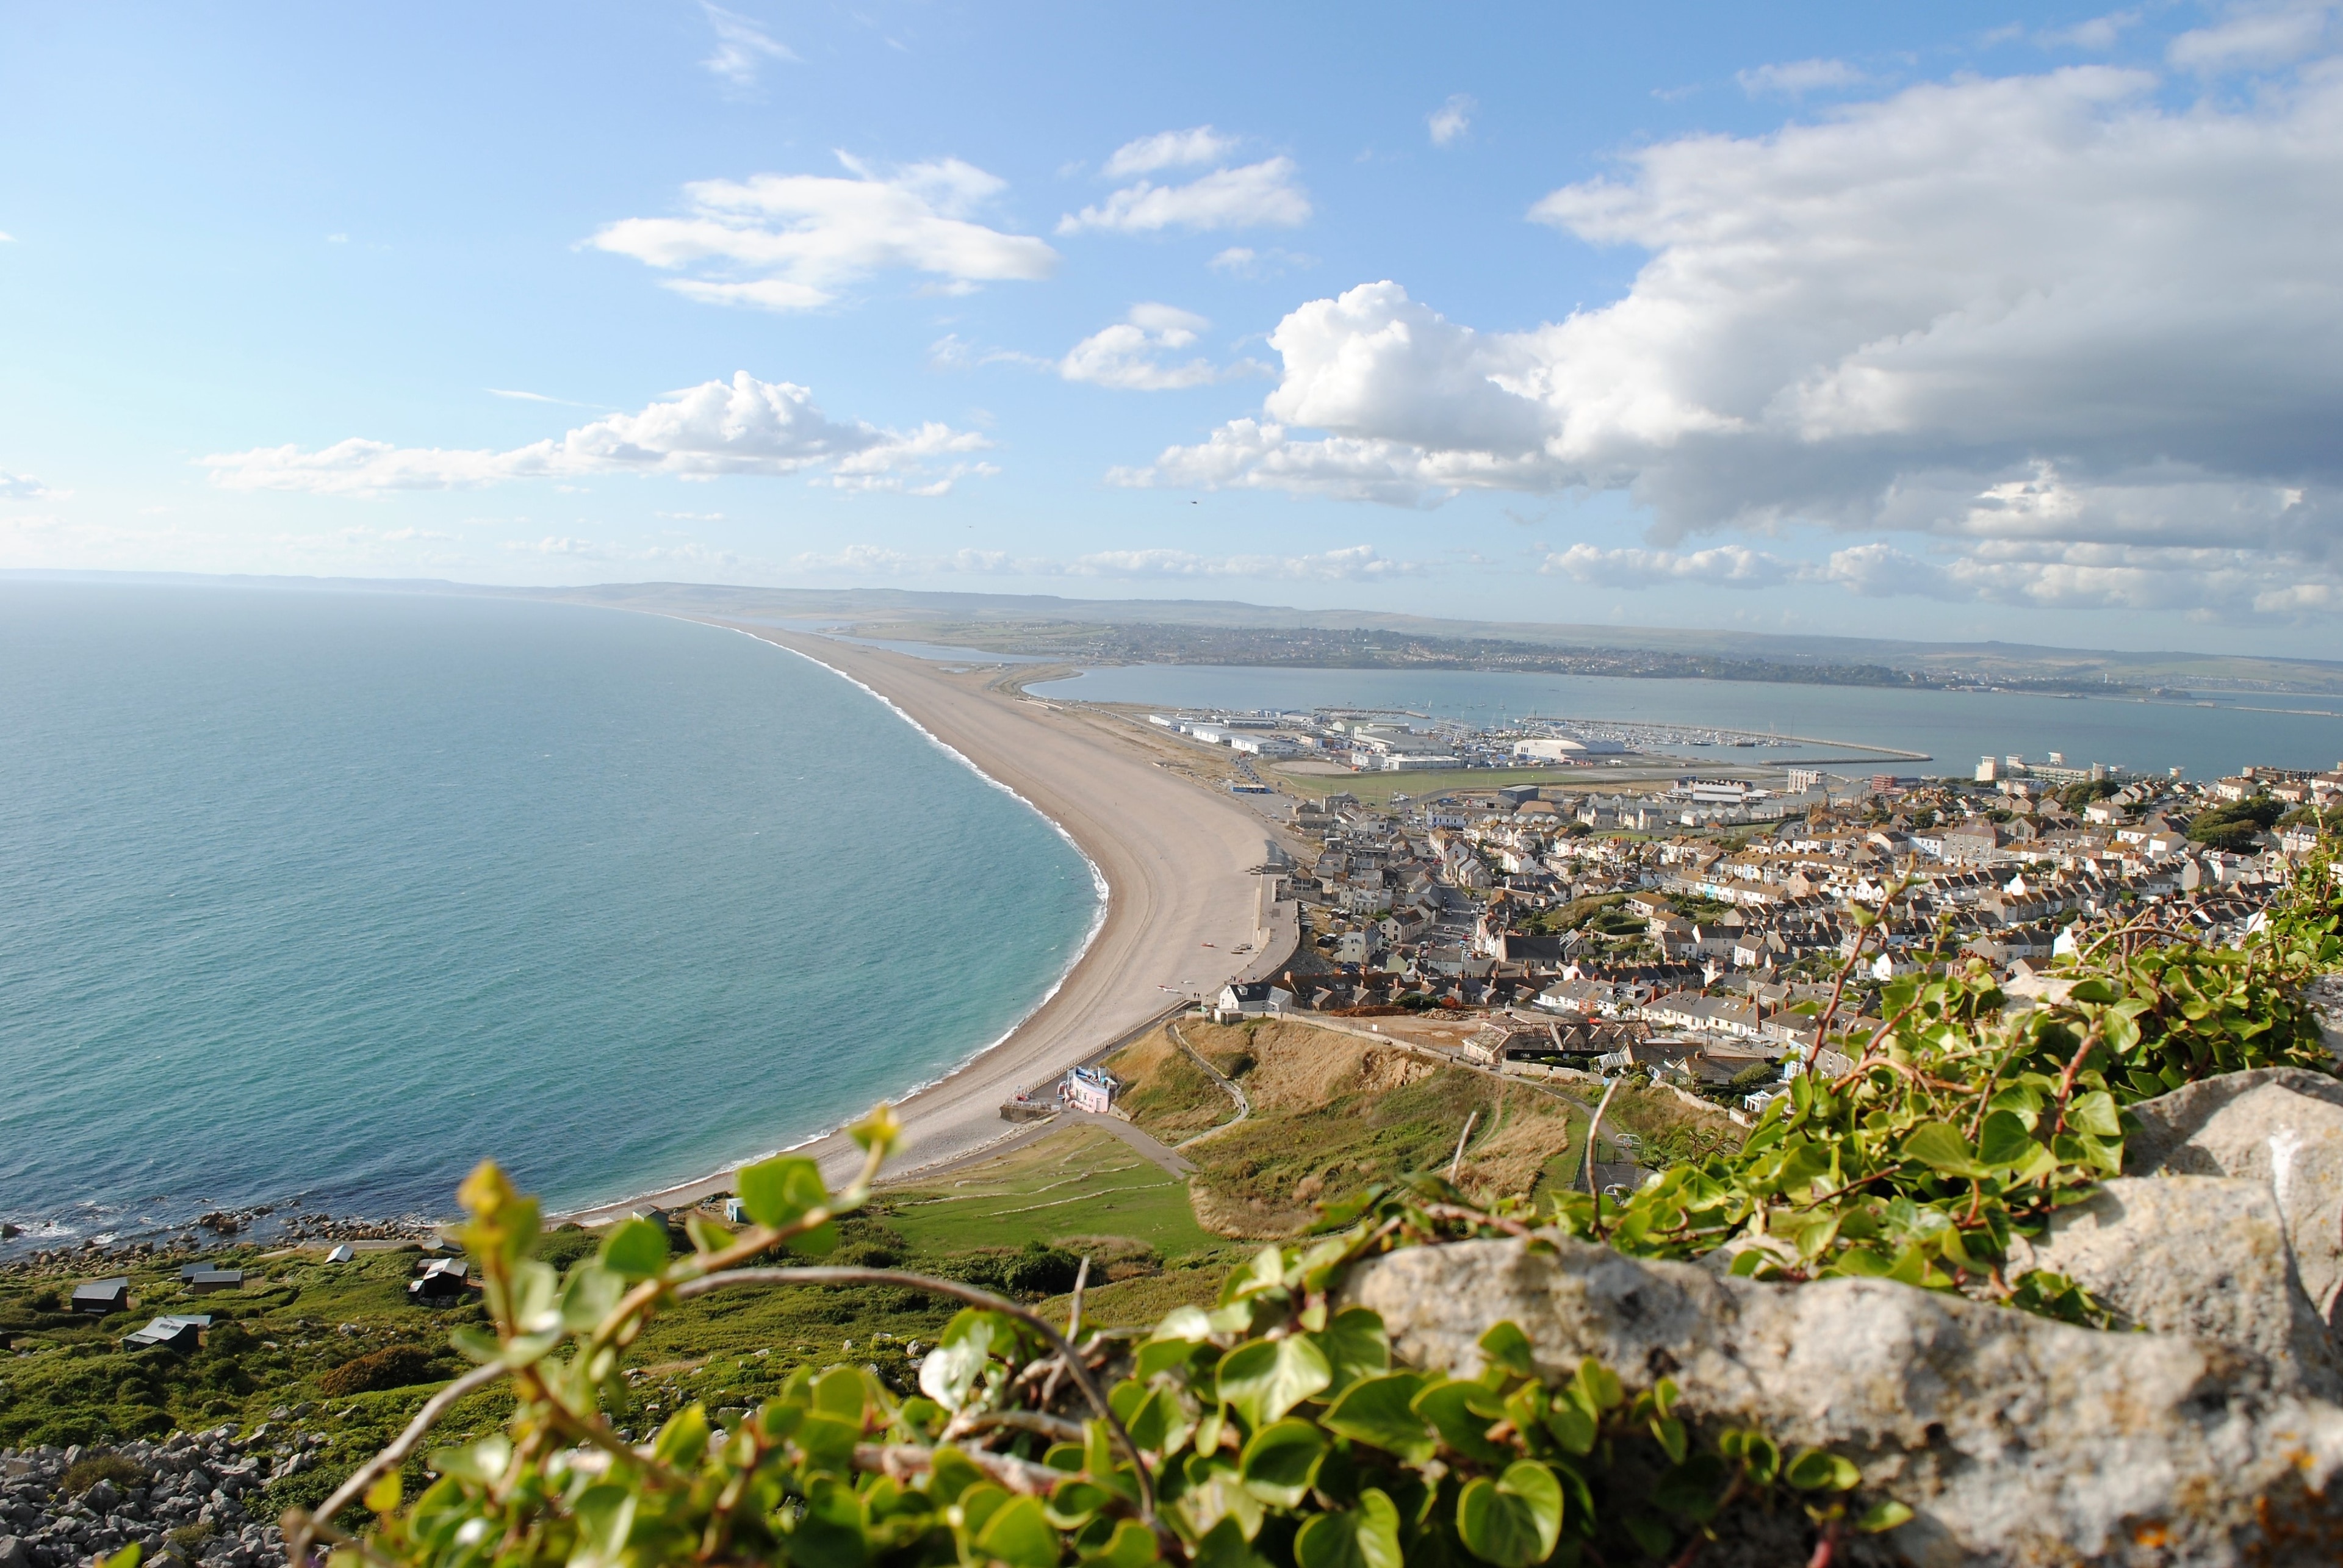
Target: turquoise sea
{"x": 1954, "y": 727}
{"x": 328, "y": 895}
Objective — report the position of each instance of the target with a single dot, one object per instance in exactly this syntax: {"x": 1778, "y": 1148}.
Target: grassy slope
{"x": 1331, "y": 1112}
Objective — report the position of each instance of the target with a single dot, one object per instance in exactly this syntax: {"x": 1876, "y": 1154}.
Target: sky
{"x": 1924, "y": 320}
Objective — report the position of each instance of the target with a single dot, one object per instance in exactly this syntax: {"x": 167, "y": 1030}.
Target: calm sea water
{"x": 1955, "y": 727}
{"x": 333, "y": 894}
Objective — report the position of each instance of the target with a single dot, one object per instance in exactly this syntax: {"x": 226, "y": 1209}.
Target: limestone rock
{"x": 2201, "y": 1255}
{"x": 2279, "y": 1125}
{"x": 2015, "y": 1440}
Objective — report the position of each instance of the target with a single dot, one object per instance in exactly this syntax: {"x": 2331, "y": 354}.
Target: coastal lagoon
{"x": 332, "y": 894}
{"x": 1954, "y": 727}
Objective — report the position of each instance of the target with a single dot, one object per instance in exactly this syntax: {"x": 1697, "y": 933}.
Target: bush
{"x": 99, "y": 1467}
{"x": 395, "y": 1366}
{"x": 1036, "y": 1271}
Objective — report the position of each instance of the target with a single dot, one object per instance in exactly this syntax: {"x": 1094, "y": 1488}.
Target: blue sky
{"x": 1882, "y": 320}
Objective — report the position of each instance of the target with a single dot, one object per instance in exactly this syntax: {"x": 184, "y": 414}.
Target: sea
{"x": 2208, "y": 736}
{"x": 322, "y": 897}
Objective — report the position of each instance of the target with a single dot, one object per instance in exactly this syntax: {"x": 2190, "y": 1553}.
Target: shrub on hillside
{"x": 394, "y": 1366}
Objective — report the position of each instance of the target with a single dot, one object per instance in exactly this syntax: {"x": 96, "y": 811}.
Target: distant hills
{"x": 1135, "y": 630}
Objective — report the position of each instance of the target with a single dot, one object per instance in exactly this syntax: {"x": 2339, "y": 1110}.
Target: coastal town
{"x": 1701, "y": 930}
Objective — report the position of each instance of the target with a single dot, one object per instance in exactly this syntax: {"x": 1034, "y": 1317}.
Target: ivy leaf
{"x": 635, "y": 1249}
{"x": 1941, "y": 1149}
{"x": 684, "y": 1438}
{"x": 1132, "y": 1546}
{"x": 1378, "y": 1412}
{"x": 1448, "y": 1407}
{"x": 2004, "y": 1140}
{"x": 1882, "y": 1516}
{"x": 1278, "y": 1463}
{"x": 2095, "y": 1113}
{"x": 781, "y": 1191}
{"x": 590, "y": 1294}
{"x": 951, "y": 1369}
{"x": 1513, "y": 1521}
{"x": 1355, "y": 1346}
{"x": 1222, "y": 1546}
{"x": 1263, "y": 1379}
{"x": 606, "y": 1514}
{"x": 1366, "y": 1537}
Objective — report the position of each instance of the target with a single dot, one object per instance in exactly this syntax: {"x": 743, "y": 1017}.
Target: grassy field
{"x": 1080, "y": 1184}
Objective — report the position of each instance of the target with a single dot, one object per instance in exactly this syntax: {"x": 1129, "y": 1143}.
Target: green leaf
{"x": 1513, "y": 1521}
{"x": 635, "y": 1249}
{"x": 1819, "y": 1470}
{"x": 838, "y": 1392}
{"x": 684, "y": 1438}
{"x": 1448, "y": 1407}
{"x": 953, "y": 1367}
{"x": 1572, "y": 1427}
{"x": 590, "y": 1294}
{"x": 606, "y": 1518}
{"x": 1882, "y": 1516}
{"x": 1224, "y": 1546}
{"x": 2095, "y": 1113}
{"x": 707, "y": 1235}
{"x": 482, "y": 1463}
{"x": 1019, "y": 1534}
{"x": 1504, "y": 1346}
{"x": 2004, "y": 1140}
{"x": 1355, "y": 1346}
{"x": 1263, "y": 1379}
{"x": 1600, "y": 1385}
{"x": 1278, "y": 1463}
{"x": 127, "y": 1557}
{"x": 781, "y": 1191}
{"x": 951, "y": 1474}
{"x": 1132, "y": 1546}
{"x": 1364, "y": 1537}
{"x": 1378, "y": 1412}
{"x": 1942, "y": 1148}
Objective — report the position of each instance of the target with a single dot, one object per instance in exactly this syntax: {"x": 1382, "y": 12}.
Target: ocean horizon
{"x": 324, "y": 896}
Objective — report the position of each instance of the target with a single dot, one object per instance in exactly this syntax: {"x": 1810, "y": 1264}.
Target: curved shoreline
{"x": 1175, "y": 862}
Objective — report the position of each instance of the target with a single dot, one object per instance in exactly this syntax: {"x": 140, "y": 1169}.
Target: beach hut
{"x": 179, "y": 1332}
{"x": 734, "y": 1214}
{"x": 442, "y": 1282}
{"x": 102, "y": 1296}
{"x": 190, "y": 1271}
{"x": 203, "y": 1281}
{"x": 342, "y": 1254}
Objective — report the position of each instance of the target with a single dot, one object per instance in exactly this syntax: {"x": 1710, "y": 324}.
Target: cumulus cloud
{"x": 1451, "y": 119}
{"x": 2092, "y": 33}
{"x": 743, "y": 426}
{"x": 1127, "y": 355}
{"x": 792, "y": 241}
{"x": 1261, "y": 195}
{"x": 1728, "y": 566}
{"x": 2041, "y": 308}
{"x": 1168, "y": 150}
{"x": 24, "y": 488}
{"x": 741, "y": 46}
{"x": 1796, "y": 78}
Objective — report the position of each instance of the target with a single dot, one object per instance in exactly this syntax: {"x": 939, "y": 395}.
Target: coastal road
{"x": 1177, "y": 857}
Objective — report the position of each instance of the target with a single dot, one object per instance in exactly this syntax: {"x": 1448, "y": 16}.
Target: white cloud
{"x": 1126, "y": 355}
{"x": 1168, "y": 150}
{"x": 1265, "y": 194}
{"x": 1244, "y": 261}
{"x": 2094, "y": 32}
{"x": 7, "y": 239}
{"x": 2040, "y": 308}
{"x": 792, "y": 242}
{"x": 2253, "y": 35}
{"x": 1451, "y": 119}
{"x": 1798, "y": 77}
{"x": 1729, "y": 565}
{"x": 741, "y": 46}
{"x": 530, "y": 396}
{"x": 24, "y": 488}
{"x": 743, "y": 426}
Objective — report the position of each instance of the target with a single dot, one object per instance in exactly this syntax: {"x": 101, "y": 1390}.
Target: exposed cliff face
{"x": 2211, "y": 1437}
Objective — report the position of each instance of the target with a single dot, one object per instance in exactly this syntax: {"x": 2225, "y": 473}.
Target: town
{"x": 1703, "y": 931}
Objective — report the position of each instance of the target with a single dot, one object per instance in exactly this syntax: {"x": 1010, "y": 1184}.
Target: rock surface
{"x": 200, "y": 1479}
{"x": 2015, "y": 1440}
{"x": 2201, "y": 1255}
{"x": 2280, "y": 1126}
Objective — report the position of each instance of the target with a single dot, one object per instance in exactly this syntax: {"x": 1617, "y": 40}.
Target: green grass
{"x": 1080, "y": 1182}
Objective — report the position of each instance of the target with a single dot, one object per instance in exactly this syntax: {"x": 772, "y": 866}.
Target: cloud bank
{"x": 743, "y": 426}
{"x": 2043, "y": 313}
{"x": 1249, "y": 195}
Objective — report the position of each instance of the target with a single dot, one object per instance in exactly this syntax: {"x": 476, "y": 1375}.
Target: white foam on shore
{"x": 1098, "y": 919}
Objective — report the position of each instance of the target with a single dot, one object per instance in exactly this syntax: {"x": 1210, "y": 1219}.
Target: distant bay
{"x": 333, "y": 894}
{"x": 1954, "y": 727}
